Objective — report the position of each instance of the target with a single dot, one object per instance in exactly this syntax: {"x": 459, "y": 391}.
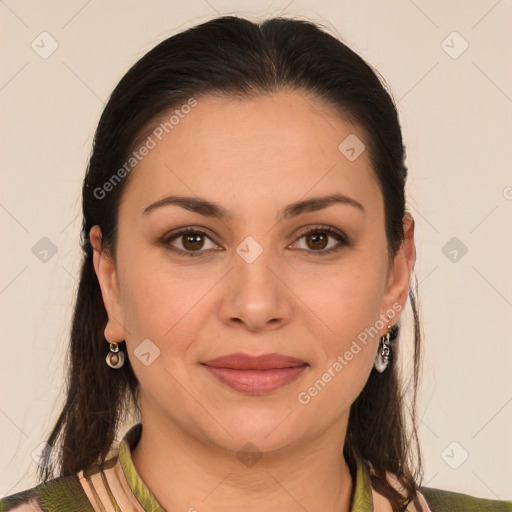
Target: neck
{"x": 182, "y": 473}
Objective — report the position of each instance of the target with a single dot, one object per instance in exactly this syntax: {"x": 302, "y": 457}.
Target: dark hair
{"x": 233, "y": 57}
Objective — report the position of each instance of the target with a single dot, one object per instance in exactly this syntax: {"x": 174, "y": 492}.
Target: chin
{"x": 265, "y": 432}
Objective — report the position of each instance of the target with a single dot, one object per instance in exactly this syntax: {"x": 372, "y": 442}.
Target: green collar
{"x": 362, "y": 499}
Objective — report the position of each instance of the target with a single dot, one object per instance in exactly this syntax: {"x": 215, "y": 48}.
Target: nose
{"x": 256, "y": 294}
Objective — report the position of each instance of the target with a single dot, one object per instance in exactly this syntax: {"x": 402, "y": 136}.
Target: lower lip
{"x": 256, "y": 382}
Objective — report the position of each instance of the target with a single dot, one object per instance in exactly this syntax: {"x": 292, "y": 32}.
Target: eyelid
{"x": 175, "y": 235}
{"x": 322, "y": 227}
{"x": 331, "y": 232}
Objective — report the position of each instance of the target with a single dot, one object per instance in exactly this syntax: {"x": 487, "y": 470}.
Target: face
{"x": 248, "y": 277}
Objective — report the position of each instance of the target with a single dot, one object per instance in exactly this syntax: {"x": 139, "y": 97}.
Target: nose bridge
{"x": 255, "y": 262}
{"x": 256, "y": 294}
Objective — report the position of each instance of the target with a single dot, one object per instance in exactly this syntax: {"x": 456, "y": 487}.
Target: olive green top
{"x": 115, "y": 486}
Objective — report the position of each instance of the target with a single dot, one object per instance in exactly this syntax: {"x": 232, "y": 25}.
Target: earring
{"x": 384, "y": 353}
{"x": 115, "y": 358}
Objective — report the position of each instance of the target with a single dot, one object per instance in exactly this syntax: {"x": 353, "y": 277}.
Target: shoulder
{"x": 441, "y": 500}
{"x": 63, "y": 493}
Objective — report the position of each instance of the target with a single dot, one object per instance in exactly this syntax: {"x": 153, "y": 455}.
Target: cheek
{"x": 168, "y": 312}
{"x": 350, "y": 308}
{"x": 335, "y": 388}
{"x": 157, "y": 299}
{"x": 348, "y": 299}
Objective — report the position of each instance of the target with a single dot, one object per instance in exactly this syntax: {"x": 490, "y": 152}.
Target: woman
{"x": 247, "y": 258}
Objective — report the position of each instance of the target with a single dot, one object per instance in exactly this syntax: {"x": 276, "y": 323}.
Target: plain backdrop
{"x": 448, "y": 65}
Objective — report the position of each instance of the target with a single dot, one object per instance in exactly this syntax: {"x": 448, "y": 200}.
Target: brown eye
{"x": 191, "y": 242}
{"x": 194, "y": 242}
{"x": 317, "y": 240}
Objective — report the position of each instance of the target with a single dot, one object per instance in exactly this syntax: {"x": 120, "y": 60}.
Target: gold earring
{"x": 115, "y": 358}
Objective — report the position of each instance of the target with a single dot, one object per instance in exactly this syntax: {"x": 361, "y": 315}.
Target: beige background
{"x": 456, "y": 117}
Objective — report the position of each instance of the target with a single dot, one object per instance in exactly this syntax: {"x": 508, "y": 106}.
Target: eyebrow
{"x": 211, "y": 209}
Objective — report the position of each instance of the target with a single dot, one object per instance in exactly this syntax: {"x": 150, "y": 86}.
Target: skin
{"x": 253, "y": 157}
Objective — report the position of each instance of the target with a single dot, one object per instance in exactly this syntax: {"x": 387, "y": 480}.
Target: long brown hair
{"x": 232, "y": 56}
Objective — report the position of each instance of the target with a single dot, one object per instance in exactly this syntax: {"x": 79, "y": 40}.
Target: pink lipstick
{"x": 256, "y": 374}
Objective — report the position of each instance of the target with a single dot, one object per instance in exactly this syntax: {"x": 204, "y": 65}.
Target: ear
{"x": 106, "y": 272}
{"x": 401, "y": 268}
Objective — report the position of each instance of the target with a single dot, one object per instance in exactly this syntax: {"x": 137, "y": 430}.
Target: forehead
{"x": 268, "y": 149}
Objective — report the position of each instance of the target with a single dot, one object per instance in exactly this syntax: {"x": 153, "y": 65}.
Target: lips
{"x": 255, "y": 375}
{"x": 242, "y": 361}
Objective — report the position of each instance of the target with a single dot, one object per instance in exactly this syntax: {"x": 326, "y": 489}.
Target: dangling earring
{"x": 384, "y": 353}
{"x": 115, "y": 358}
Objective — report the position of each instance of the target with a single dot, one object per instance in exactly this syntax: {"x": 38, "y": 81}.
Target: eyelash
{"x": 341, "y": 238}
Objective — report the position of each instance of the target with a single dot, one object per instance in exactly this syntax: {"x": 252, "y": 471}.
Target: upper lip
{"x": 241, "y": 361}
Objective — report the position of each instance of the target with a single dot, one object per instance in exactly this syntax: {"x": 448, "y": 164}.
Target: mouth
{"x": 255, "y": 375}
